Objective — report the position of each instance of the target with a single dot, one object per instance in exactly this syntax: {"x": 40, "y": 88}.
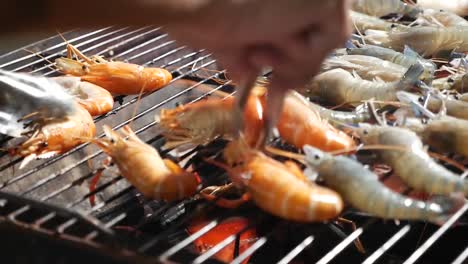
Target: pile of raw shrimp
{"x": 396, "y": 91}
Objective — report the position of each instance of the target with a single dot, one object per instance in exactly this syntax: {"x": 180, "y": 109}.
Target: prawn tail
{"x": 411, "y": 77}
{"x": 449, "y": 205}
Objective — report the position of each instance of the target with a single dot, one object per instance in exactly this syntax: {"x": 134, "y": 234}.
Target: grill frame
{"x": 108, "y": 41}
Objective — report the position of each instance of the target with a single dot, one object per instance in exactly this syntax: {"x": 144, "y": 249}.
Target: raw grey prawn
{"x": 363, "y": 22}
{"x": 380, "y": 8}
{"x": 337, "y": 118}
{"x": 406, "y": 59}
{"x": 144, "y": 168}
{"x": 362, "y": 189}
{"x": 457, "y": 82}
{"x": 459, "y": 7}
{"x": 426, "y": 41}
{"x": 440, "y": 18}
{"x": 413, "y": 164}
{"x": 367, "y": 67}
{"x": 339, "y": 86}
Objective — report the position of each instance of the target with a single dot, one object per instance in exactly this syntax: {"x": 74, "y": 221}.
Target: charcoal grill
{"x": 49, "y": 198}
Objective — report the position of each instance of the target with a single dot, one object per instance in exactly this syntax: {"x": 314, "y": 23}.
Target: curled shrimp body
{"x": 114, "y": 76}
{"x": 364, "y": 22}
{"x": 446, "y": 134}
{"x": 203, "y": 121}
{"x": 380, "y": 8}
{"x": 453, "y": 107}
{"x": 425, "y": 40}
{"x": 144, "y": 168}
{"x": 431, "y": 17}
{"x": 299, "y": 124}
{"x": 93, "y": 98}
{"x": 359, "y": 115}
{"x": 414, "y": 166}
{"x": 339, "y": 86}
{"x": 459, "y": 7}
{"x": 282, "y": 189}
{"x": 405, "y": 59}
{"x": 367, "y": 67}
{"x": 362, "y": 189}
{"x": 51, "y": 137}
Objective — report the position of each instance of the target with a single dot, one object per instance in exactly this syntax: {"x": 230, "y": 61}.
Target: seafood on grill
{"x": 425, "y": 40}
{"x": 362, "y": 189}
{"x": 412, "y": 163}
{"x": 367, "y": 67}
{"x": 441, "y": 18}
{"x": 96, "y": 100}
{"x": 406, "y": 59}
{"x": 114, "y": 76}
{"x": 380, "y": 8}
{"x": 339, "y": 86}
{"x": 457, "y": 82}
{"x": 203, "y": 121}
{"x": 144, "y": 168}
{"x": 459, "y": 7}
{"x": 339, "y": 119}
{"x": 279, "y": 188}
{"x": 300, "y": 124}
{"x": 363, "y": 22}
{"x": 27, "y": 99}
{"x": 49, "y": 137}
{"x": 229, "y": 227}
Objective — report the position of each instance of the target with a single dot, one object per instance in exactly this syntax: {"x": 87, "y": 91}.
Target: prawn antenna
{"x": 42, "y": 57}
{"x": 283, "y": 153}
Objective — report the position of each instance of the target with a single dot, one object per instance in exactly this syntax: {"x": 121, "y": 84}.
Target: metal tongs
{"x": 245, "y": 87}
{"x": 26, "y": 99}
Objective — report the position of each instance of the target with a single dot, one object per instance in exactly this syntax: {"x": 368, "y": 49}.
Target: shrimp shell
{"x": 457, "y": 82}
{"x": 144, "y": 168}
{"x": 380, "y": 8}
{"x": 278, "y": 189}
{"x": 93, "y": 98}
{"x": 58, "y": 136}
{"x": 405, "y": 59}
{"x": 364, "y": 22}
{"x": 366, "y": 67}
{"x": 362, "y": 189}
{"x": 426, "y": 41}
{"x": 431, "y": 17}
{"x": 299, "y": 124}
{"x": 459, "y": 7}
{"x": 414, "y": 166}
{"x": 339, "y": 86}
{"x": 455, "y": 108}
{"x": 204, "y": 121}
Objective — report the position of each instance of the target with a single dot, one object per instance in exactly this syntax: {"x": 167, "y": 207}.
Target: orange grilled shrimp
{"x": 204, "y": 121}
{"x": 96, "y": 100}
{"x": 144, "y": 168}
{"x": 280, "y": 188}
{"x": 299, "y": 125}
{"x": 52, "y": 137}
{"x": 116, "y": 77}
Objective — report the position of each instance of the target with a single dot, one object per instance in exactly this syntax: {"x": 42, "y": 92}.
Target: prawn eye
{"x": 450, "y": 80}
{"x": 317, "y": 157}
{"x": 84, "y": 68}
{"x": 112, "y": 140}
{"x": 421, "y": 99}
{"x": 365, "y": 132}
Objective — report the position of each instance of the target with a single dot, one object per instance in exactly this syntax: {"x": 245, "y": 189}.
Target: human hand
{"x": 291, "y": 36}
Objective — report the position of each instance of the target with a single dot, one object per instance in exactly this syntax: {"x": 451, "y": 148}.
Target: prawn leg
{"x": 213, "y": 194}
{"x": 357, "y": 242}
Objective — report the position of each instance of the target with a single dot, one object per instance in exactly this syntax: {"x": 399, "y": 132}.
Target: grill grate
{"x": 61, "y": 181}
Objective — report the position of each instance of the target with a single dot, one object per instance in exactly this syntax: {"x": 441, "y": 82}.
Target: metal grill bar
{"x": 392, "y": 241}
{"x": 250, "y": 251}
{"x": 429, "y": 242}
{"x": 463, "y": 256}
{"x": 296, "y": 251}
{"x": 212, "y": 251}
{"x": 340, "y": 247}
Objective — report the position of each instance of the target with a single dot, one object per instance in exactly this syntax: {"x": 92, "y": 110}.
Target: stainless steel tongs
{"x": 26, "y": 99}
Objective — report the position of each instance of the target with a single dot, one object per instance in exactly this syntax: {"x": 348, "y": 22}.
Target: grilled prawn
{"x": 114, "y": 76}
{"x": 144, "y": 168}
